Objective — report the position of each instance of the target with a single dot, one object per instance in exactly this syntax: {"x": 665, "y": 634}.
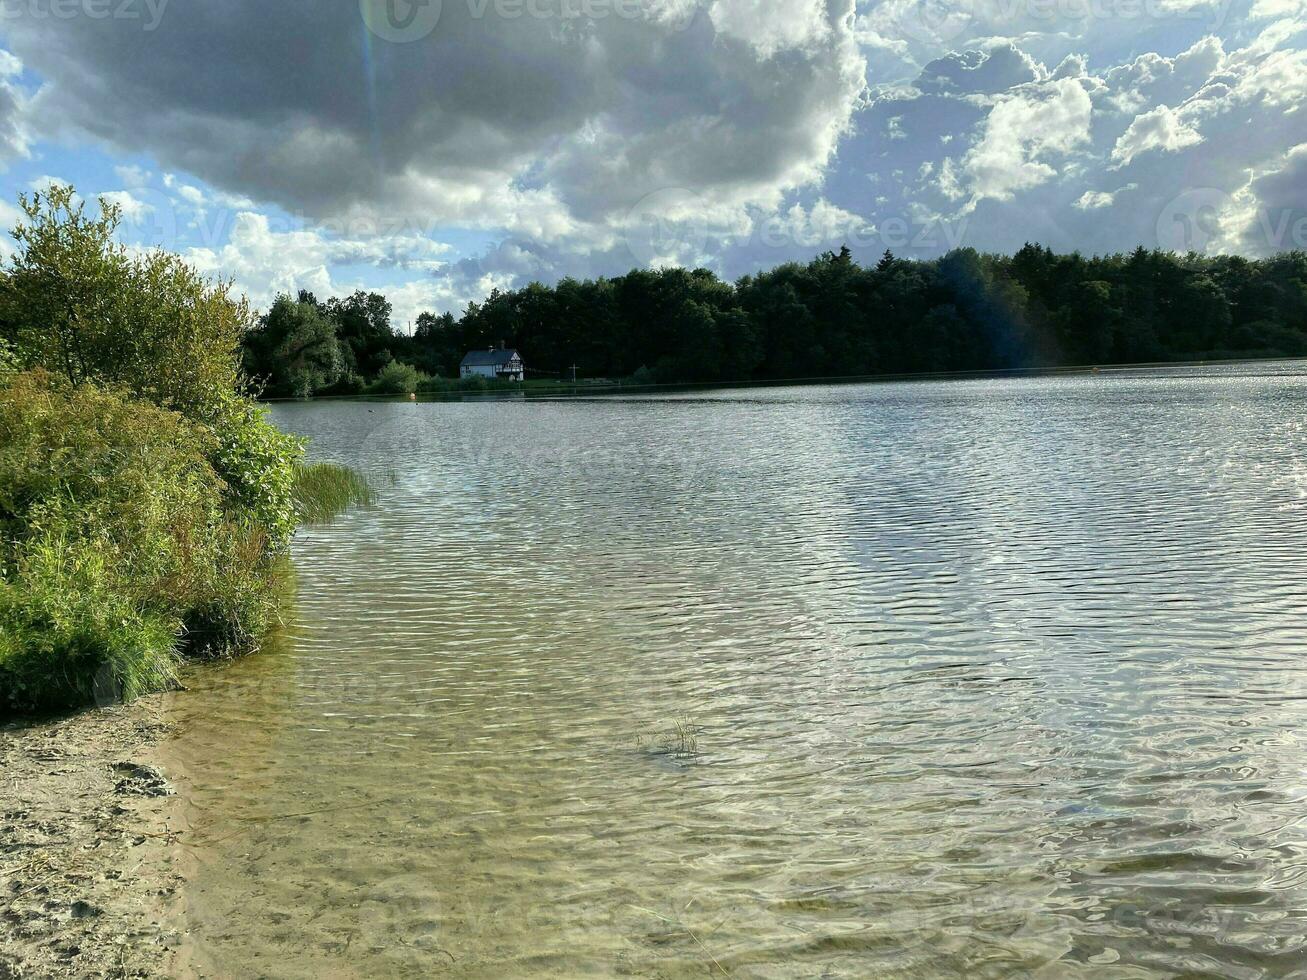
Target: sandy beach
{"x": 89, "y": 867}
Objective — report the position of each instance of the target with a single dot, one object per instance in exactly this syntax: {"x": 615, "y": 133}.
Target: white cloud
{"x": 191, "y": 195}
{"x": 1094, "y": 200}
{"x": 1022, "y": 133}
{"x": 43, "y": 183}
{"x": 133, "y": 209}
{"x": 771, "y": 25}
{"x": 1158, "y": 129}
{"x": 265, "y": 261}
{"x": 132, "y": 176}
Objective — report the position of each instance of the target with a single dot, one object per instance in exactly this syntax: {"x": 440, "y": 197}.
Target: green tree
{"x": 363, "y": 326}
{"x": 74, "y": 302}
{"x": 77, "y": 304}
{"x": 294, "y": 349}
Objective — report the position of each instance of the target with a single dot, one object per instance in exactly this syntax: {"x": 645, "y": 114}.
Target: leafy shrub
{"x": 108, "y": 512}
{"x": 75, "y": 303}
{"x": 68, "y": 636}
{"x": 350, "y": 384}
{"x": 120, "y": 544}
{"x": 294, "y": 349}
{"x": 81, "y": 306}
{"x": 437, "y": 386}
{"x": 256, "y": 460}
{"x": 398, "y": 378}
{"x": 476, "y": 383}
{"x": 92, "y": 466}
{"x": 8, "y": 361}
{"x": 145, "y": 500}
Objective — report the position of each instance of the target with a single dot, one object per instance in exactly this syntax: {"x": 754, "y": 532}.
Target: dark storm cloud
{"x": 297, "y": 103}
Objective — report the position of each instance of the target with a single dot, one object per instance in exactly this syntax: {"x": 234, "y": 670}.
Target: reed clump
{"x": 324, "y": 491}
{"x": 680, "y": 742}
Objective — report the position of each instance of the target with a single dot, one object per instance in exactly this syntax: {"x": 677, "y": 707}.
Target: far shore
{"x": 600, "y": 388}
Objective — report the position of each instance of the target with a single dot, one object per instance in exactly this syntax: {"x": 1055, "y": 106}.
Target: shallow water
{"x": 972, "y": 678}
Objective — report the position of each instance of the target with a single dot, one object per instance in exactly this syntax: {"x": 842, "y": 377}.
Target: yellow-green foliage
{"x": 81, "y": 306}
{"x": 78, "y": 305}
{"x": 92, "y": 466}
{"x": 8, "y": 361}
{"x": 69, "y": 636}
{"x": 257, "y": 462}
{"x": 145, "y": 500}
{"x": 397, "y": 378}
{"x": 119, "y": 544}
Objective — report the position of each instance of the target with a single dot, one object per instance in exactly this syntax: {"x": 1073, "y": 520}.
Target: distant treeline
{"x": 830, "y": 317}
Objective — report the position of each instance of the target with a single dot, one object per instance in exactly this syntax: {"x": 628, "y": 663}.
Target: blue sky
{"x": 435, "y": 150}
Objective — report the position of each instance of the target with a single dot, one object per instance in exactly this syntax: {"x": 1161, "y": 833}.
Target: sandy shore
{"x": 89, "y": 867}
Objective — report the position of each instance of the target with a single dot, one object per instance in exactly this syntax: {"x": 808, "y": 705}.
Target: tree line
{"x": 827, "y": 318}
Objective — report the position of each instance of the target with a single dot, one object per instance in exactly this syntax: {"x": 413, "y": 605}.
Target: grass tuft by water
{"x": 324, "y": 491}
{"x": 681, "y": 741}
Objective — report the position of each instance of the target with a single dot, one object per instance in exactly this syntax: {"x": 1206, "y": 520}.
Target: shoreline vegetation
{"x": 829, "y": 319}
{"x": 567, "y": 389}
{"x": 146, "y": 502}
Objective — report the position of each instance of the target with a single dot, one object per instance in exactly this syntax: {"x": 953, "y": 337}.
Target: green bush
{"x": 93, "y": 466}
{"x": 116, "y": 530}
{"x": 68, "y": 636}
{"x": 81, "y": 307}
{"x": 437, "y": 386}
{"x": 8, "y": 361}
{"x": 256, "y": 461}
{"x": 146, "y": 502}
{"x": 397, "y": 378}
{"x": 108, "y": 510}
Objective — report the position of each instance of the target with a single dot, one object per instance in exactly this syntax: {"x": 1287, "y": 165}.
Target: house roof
{"x": 488, "y": 358}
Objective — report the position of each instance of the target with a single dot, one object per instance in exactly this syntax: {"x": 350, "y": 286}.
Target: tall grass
{"x": 324, "y": 491}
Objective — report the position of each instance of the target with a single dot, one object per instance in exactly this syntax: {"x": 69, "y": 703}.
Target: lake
{"x": 971, "y": 678}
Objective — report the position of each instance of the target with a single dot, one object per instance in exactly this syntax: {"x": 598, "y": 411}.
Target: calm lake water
{"x": 972, "y": 678}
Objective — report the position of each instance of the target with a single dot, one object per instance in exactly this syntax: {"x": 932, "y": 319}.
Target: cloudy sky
{"x": 436, "y": 149}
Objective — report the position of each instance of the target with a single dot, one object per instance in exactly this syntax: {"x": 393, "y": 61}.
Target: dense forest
{"x": 828, "y": 318}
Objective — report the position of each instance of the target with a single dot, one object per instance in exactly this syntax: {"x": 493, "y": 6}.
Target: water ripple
{"x": 983, "y": 678}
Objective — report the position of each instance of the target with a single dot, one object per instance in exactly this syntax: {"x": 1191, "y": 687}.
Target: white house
{"x": 504, "y": 365}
